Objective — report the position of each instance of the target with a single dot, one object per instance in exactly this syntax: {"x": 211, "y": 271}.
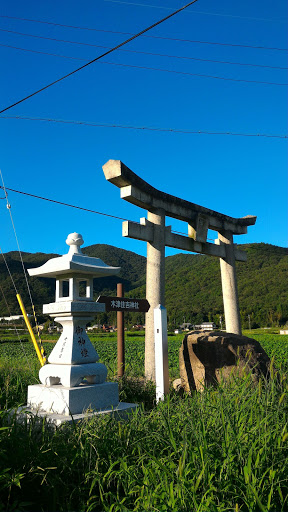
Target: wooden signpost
{"x": 122, "y": 304}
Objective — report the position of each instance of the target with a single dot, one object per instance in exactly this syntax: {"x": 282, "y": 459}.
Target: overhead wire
{"x": 125, "y": 42}
{"x": 200, "y": 75}
{"x": 41, "y": 52}
{"x": 99, "y": 56}
{"x": 145, "y": 35}
{"x": 183, "y": 57}
{"x": 16, "y": 330}
{"x": 148, "y": 68}
{"x": 15, "y": 234}
{"x": 251, "y": 18}
{"x": 23, "y": 267}
{"x": 64, "y": 204}
{"x": 144, "y": 128}
{"x": 80, "y": 208}
{"x": 9, "y": 272}
{"x": 14, "y": 323}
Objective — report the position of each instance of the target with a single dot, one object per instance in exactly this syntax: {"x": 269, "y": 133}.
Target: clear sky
{"x": 230, "y": 174}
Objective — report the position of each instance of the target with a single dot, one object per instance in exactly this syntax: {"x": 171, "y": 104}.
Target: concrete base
{"x": 60, "y": 400}
{"x": 25, "y": 414}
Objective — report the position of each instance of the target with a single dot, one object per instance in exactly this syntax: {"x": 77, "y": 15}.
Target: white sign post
{"x": 161, "y": 352}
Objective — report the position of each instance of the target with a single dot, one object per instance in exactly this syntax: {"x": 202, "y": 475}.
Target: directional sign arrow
{"x": 124, "y": 304}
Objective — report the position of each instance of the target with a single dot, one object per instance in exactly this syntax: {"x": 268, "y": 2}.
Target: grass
{"x": 225, "y": 449}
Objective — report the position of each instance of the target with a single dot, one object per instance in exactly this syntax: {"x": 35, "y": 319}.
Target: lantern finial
{"x": 74, "y": 240}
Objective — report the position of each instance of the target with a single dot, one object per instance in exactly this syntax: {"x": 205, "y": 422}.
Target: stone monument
{"x": 208, "y": 358}
{"x": 74, "y": 382}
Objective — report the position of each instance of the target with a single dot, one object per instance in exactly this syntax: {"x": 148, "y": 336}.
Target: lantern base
{"x": 69, "y": 401}
{"x": 71, "y": 376}
{"x": 24, "y": 415}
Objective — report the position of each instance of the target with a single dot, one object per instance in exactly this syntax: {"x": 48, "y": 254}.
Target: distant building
{"x": 95, "y": 326}
{"x": 108, "y": 328}
{"x": 186, "y": 326}
{"x": 138, "y": 327}
{"x": 12, "y": 318}
{"x": 206, "y": 326}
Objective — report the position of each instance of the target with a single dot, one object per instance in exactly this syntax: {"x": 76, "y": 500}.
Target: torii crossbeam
{"x": 153, "y": 231}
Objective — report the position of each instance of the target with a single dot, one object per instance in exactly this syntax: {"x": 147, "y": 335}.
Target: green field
{"x": 224, "y": 449}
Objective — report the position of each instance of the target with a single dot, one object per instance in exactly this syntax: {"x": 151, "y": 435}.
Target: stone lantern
{"x": 73, "y": 380}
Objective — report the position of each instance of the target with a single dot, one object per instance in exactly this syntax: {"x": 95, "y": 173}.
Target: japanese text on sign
{"x": 124, "y": 304}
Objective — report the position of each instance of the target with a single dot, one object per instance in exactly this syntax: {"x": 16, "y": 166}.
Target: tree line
{"x": 193, "y": 285}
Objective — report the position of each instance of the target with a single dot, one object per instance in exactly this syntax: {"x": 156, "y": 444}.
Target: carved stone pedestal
{"x": 69, "y": 401}
{"x": 72, "y": 375}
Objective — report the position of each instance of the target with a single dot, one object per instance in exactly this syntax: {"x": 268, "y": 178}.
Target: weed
{"x": 225, "y": 449}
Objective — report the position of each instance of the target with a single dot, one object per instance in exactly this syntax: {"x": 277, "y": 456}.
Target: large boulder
{"x": 206, "y": 358}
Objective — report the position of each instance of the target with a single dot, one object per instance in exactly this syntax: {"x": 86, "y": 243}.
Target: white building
{"x": 12, "y": 318}
{"x": 206, "y": 326}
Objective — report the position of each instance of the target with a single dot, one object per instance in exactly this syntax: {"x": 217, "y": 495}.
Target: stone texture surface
{"x": 55, "y": 309}
{"x": 63, "y": 392}
{"x": 229, "y": 284}
{"x": 177, "y": 386}
{"x": 207, "y": 357}
{"x": 72, "y": 375}
{"x": 58, "y": 399}
{"x": 24, "y": 415}
{"x": 155, "y": 285}
{"x": 74, "y": 263}
{"x": 73, "y": 346}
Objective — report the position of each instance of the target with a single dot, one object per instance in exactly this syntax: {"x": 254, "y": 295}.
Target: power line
{"x": 42, "y": 53}
{"x": 8, "y": 269}
{"x": 149, "y": 36}
{"x": 201, "y": 75}
{"x": 52, "y": 38}
{"x": 145, "y": 128}
{"x": 23, "y": 268}
{"x": 78, "y": 208}
{"x": 153, "y": 6}
{"x": 63, "y": 204}
{"x": 197, "y": 12}
{"x": 100, "y": 56}
{"x": 10, "y": 314}
{"x": 195, "y": 74}
{"x": 126, "y": 51}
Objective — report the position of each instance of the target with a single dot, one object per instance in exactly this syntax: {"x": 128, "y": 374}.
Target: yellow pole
{"x": 30, "y": 330}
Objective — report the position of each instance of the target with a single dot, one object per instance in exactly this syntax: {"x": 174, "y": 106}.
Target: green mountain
{"x": 193, "y": 284}
{"x": 262, "y": 286}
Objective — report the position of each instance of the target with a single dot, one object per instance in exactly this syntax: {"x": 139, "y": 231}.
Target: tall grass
{"x": 224, "y": 449}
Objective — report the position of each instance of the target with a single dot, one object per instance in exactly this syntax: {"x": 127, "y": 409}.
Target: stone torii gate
{"x": 153, "y": 231}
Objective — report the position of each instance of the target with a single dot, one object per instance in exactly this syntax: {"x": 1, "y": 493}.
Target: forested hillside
{"x": 193, "y": 285}
{"x": 194, "y": 281}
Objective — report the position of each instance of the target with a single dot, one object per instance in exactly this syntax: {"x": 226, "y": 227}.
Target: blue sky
{"x": 233, "y": 175}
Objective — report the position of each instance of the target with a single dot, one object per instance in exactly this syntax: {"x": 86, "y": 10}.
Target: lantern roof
{"x": 75, "y": 262}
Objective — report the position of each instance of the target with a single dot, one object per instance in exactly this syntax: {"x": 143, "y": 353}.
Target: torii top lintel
{"x": 137, "y": 191}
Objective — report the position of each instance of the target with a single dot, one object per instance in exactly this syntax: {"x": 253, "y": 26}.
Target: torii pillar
{"x": 153, "y": 231}
{"x": 155, "y": 284}
{"x": 229, "y": 284}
